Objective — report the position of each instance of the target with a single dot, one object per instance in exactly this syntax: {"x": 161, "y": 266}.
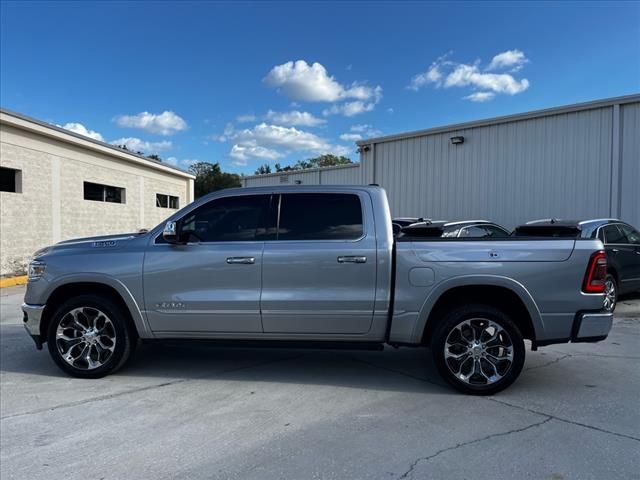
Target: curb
{"x": 13, "y": 281}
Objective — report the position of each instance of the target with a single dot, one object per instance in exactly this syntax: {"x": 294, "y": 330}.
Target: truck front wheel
{"x": 478, "y": 349}
{"x": 89, "y": 336}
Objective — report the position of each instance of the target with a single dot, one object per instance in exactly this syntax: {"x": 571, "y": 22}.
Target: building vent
{"x": 284, "y": 178}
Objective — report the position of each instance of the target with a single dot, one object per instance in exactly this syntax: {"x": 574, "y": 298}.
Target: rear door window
{"x": 631, "y": 235}
{"x": 612, "y": 234}
{"x": 320, "y": 216}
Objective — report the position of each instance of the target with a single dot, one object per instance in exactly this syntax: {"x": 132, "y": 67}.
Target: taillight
{"x": 596, "y": 273}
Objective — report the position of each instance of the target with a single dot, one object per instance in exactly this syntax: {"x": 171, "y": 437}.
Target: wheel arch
{"x": 106, "y": 287}
{"x": 501, "y": 292}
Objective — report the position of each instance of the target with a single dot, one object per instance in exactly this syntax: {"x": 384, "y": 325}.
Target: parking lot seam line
{"x": 142, "y": 389}
{"x": 560, "y": 419}
{"x": 409, "y": 472}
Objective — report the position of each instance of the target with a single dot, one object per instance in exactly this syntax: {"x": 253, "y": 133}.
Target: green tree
{"x": 263, "y": 169}
{"x": 327, "y": 160}
{"x": 153, "y": 156}
{"x": 210, "y": 177}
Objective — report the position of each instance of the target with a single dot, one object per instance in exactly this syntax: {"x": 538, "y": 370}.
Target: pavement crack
{"x": 143, "y": 389}
{"x": 564, "y": 420}
{"x": 552, "y": 362}
{"x": 409, "y": 472}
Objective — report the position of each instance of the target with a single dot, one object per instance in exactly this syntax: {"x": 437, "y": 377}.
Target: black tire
{"x": 474, "y": 385}
{"x": 609, "y": 303}
{"x": 120, "y": 329}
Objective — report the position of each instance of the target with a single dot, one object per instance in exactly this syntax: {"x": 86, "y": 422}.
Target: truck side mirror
{"x": 170, "y": 232}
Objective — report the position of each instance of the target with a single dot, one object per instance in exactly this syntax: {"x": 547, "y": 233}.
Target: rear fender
{"x": 479, "y": 280}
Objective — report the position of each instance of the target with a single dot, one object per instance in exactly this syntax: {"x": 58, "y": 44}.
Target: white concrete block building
{"x": 56, "y": 185}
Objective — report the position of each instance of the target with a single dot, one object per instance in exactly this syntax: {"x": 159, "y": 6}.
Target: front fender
{"x": 125, "y": 293}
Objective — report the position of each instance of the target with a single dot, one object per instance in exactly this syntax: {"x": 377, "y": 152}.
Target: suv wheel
{"x": 478, "y": 349}
{"x": 89, "y": 336}
{"x": 610, "y": 293}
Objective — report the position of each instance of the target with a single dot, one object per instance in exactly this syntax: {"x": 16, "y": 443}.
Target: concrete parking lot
{"x": 194, "y": 411}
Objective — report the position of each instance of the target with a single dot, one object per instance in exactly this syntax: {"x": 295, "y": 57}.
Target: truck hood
{"x": 89, "y": 244}
{"x": 100, "y": 240}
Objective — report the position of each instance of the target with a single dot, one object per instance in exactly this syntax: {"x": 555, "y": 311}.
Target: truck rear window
{"x": 320, "y": 216}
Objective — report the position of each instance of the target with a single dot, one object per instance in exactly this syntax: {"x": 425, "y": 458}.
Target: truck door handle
{"x": 615, "y": 250}
{"x": 352, "y": 259}
{"x": 241, "y": 260}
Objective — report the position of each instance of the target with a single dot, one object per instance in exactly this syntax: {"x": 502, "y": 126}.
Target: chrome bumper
{"x": 593, "y": 327}
{"x": 31, "y": 319}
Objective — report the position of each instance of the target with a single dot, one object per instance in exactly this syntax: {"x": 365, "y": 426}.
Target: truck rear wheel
{"x": 478, "y": 349}
{"x": 89, "y": 336}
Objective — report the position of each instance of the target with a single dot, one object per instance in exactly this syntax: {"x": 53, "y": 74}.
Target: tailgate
{"x": 524, "y": 250}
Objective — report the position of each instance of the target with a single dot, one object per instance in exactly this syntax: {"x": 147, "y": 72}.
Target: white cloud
{"x": 356, "y": 107}
{"x": 165, "y": 123}
{"x": 447, "y": 74}
{"x": 247, "y": 118}
{"x": 82, "y": 130}
{"x": 265, "y": 141}
{"x": 349, "y": 109}
{"x": 514, "y": 59}
{"x": 311, "y": 83}
{"x": 480, "y": 96}
{"x": 432, "y": 75}
{"x": 294, "y": 118}
{"x": 137, "y": 145}
{"x": 360, "y": 131}
{"x": 350, "y": 137}
{"x": 242, "y": 153}
{"x": 465, "y": 75}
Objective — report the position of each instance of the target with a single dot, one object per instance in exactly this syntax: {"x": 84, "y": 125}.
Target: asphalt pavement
{"x": 195, "y": 411}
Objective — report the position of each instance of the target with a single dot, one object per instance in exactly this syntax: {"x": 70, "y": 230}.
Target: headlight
{"x": 36, "y": 270}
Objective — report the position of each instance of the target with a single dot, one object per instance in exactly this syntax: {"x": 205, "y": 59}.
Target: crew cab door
{"x": 622, "y": 256}
{"x": 319, "y": 273}
{"x": 212, "y": 283}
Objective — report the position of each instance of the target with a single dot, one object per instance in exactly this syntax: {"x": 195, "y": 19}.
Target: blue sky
{"x": 250, "y": 83}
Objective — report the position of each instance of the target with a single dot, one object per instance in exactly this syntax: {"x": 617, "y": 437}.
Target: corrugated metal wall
{"x": 510, "y": 173}
{"x": 562, "y": 166}
{"x": 343, "y": 175}
{"x": 572, "y": 163}
{"x": 630, "y": 164}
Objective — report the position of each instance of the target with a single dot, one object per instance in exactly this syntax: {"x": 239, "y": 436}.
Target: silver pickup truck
{"x": 316, "y": 266}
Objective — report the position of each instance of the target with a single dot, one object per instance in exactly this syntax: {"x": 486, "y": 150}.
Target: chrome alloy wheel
{"x": 85, "y": 338}
{"x": 609, "y": 302}
{"x": 478, "y": 351}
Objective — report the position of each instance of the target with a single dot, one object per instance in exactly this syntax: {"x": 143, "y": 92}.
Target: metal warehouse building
{"x": 56, "y": 185}
{"x": 577, "y": 161}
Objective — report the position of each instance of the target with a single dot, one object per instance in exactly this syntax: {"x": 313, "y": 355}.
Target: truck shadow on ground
{"x": 406, "y": 369}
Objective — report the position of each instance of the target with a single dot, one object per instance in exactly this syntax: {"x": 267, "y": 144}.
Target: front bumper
{"x": 31, "y": 318}
{"x": 592, "y": 327}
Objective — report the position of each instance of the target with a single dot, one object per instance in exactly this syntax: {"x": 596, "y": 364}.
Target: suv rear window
{"x": 320, "y": 216}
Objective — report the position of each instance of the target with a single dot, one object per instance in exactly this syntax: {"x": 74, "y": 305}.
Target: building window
{"x": 167, "y": 201}
{"x": 10, "y": 180}
{"x": 103, "y": 193}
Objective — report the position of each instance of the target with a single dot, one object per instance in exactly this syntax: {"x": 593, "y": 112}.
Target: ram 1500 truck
{"x": 315, "y": 265}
